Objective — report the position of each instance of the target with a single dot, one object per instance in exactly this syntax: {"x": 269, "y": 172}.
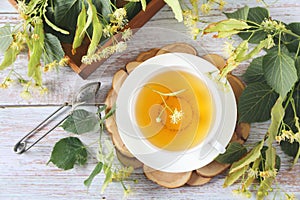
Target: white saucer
{"x": 172, "y": 161}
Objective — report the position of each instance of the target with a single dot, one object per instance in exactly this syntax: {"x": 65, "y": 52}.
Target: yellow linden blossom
{"x": 176, "y": 116}
{"x": 3, "y": 85}
{"x": 26, "y": 95}
{"x": 190, "y": 20}
{"x": 268, "y": 173}
{"x": 205, "y": 8}
{"x": 221, "y": 4}
{"x": 126, "y": 35}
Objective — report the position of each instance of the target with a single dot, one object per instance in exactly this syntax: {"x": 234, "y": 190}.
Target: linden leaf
{"x": 81, "y": 121}
{"x": 291, "y": 41}
{"x": 234, "y": 176}
{"x": 249, "y": 158}
{"x": 233, "y": 153}
{"x": 297, "y": 64}
{"x": 53, "y": 49}
{"x": 277, "y": 114}
{"x": 241, "y": 13}
{"x": 229, "y": 25}
{"x": 290, "y": 149}
{"x": 256, "y": 102}
{"x": 254, "y": 72}
{"x": 67, "y": 152}
{"x": 5, "y": 37}
{"x": 280, "y": 72}
{"x": 94, "y": 173}
{"x": 258, "y": 14}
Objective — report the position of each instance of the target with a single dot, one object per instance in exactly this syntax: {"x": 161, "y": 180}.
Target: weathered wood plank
{"x": 27, "y": 176}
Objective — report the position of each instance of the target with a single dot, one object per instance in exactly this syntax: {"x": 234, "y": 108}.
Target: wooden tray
{"x": 75, "y": 60}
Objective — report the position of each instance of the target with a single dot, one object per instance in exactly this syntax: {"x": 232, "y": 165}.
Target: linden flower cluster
{"x": 118, "y": 21}
{"x": 288, "y": 135}
{"x": 176, "y": 116}
{"x": 206, "y": 7}
{"x": 191, "y": 16}
{"x": 105, "y": 53}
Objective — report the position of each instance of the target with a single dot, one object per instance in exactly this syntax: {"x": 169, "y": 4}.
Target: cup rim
{"x": 173, "y": 161}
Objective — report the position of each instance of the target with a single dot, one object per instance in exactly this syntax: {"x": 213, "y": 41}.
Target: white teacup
{"x": 221, "y": 127}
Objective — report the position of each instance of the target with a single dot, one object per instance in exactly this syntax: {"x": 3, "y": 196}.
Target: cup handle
{"x": 219, "y": 147}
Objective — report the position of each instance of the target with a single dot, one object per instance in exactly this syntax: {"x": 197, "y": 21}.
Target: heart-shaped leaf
{"x": 256, "y": 102}
{"x": 280, "y": 71}
{"x": 67, "y": 152}
{"x": 81, "y": 121}
{"x": 254, "y": 72}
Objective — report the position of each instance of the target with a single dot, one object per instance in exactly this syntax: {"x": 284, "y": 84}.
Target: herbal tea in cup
{"x": 174, "y": 110}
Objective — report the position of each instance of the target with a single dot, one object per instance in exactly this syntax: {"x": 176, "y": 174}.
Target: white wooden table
{"x": 28, "y": 177}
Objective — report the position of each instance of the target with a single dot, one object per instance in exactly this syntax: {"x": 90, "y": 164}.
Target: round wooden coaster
{"x": 166, "y": 179}
{"x": 197, "y": 180}
{"x": 177, "y": 48}
{"x": 172, "y": 180}
{"x": 129, "y": 161}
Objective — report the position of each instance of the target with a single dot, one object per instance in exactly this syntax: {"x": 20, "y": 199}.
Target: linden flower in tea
{"x": 176, "y": 115}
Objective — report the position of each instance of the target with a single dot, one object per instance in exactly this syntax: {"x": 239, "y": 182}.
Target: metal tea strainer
{"x": 85, "y": 96}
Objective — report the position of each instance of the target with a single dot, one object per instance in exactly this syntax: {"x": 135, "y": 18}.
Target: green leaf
{"x": 296, "y": 97}
{"x": 274, "y": 49}
{"x": 233, "y": 153}
{"x": 256, "y": 102}
{"x": 263, "y": 160}
{"x": 280, "y": 72}
{"x": 290, "y": 149}
{"x": 292, "y": 41}
{"x": 108, "y": 177}
{"x": 106, "y": 7}
{"x": 81, "y": 121}
{"x": 67, "y": 152}
{"x": 5, "y": 37}
{"x": 176, "y": 8}
{"x": 132, "y": 9}
{"x": 241, "y": 13}
{"x": 249, "y": 158}
{"x": 94, "y": 173}
{"x": 258, "y": 14}
{"x": 297, "y": 64}
{"x": 65, "y": 10}
{"x": 228, "y": 25}
{"x": 234, "y": 176}
{"x": 53, "y": 49}
{"x": 255, "y": 72}
{"x": 277, "y": 114}
{"x": 270, "y": 159}
{"x": 289, "y": 112}
{"x": 255, "y": 38}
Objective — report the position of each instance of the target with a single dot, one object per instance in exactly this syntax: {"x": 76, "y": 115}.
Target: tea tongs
{"x": 85, "y": 96}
